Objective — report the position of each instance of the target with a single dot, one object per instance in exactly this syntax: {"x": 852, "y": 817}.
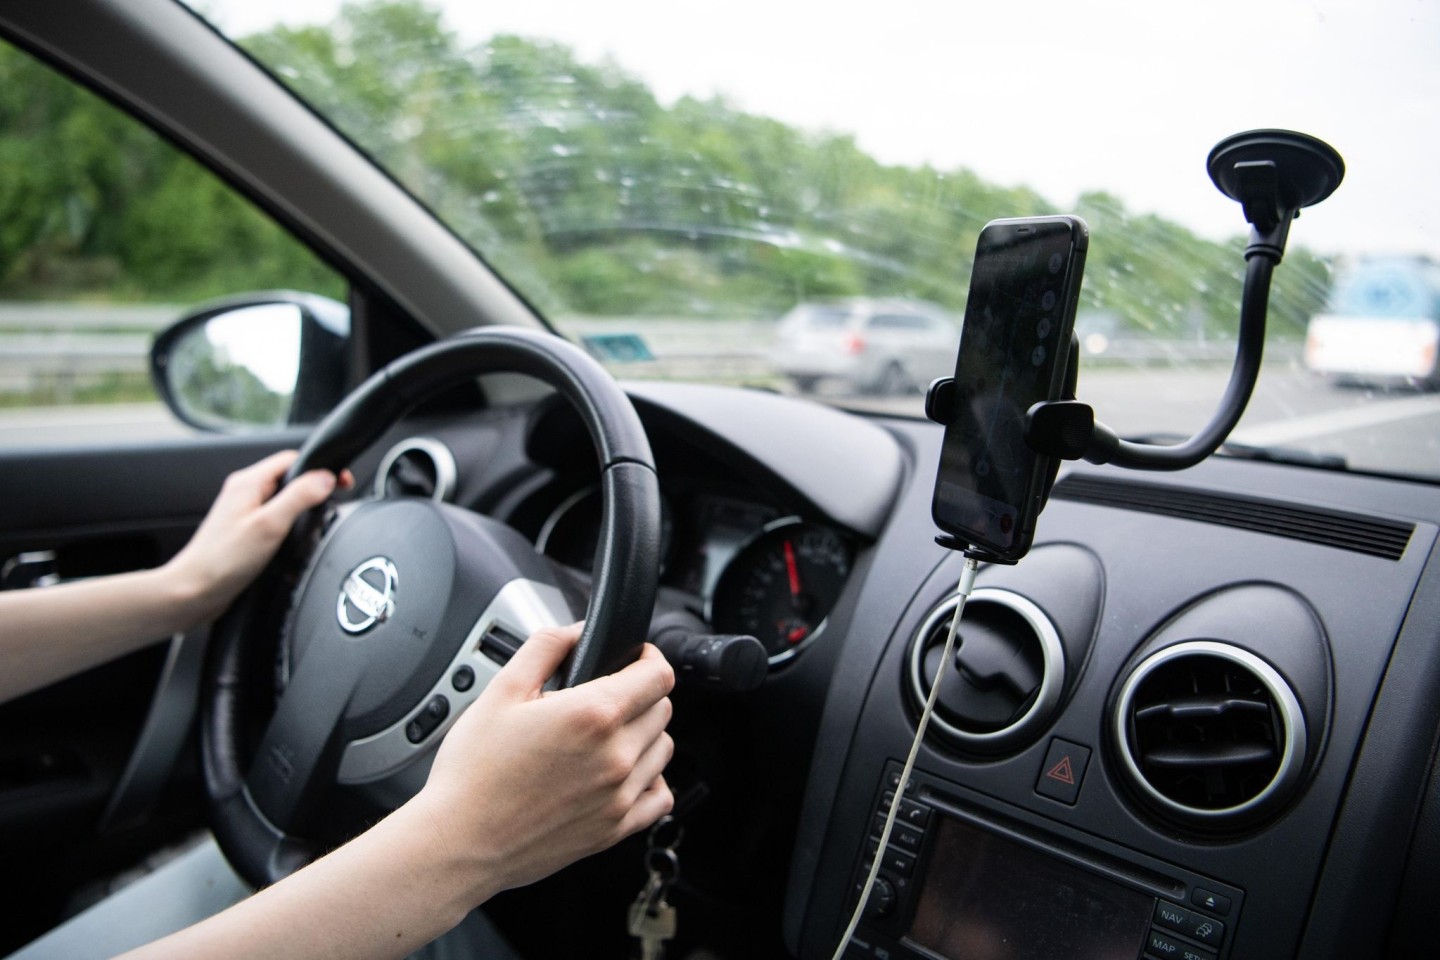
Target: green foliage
{"x": 583, "y": 190}
{"x": 94, "y": 205}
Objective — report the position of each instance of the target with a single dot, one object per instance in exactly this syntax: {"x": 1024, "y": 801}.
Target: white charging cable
{"x": 967, "y": 583}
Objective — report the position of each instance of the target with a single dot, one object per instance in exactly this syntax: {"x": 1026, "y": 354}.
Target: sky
{"x": 1126, "y": 96}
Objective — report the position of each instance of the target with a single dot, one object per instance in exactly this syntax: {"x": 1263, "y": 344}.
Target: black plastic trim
{"x": 1375, "y": 536}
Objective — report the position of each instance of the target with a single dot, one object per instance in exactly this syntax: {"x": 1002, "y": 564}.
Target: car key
{"x": 654, "y": 925}
{"x": 652, "y": 918}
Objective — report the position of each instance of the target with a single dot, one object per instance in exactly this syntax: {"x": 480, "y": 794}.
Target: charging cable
{"x": 962, "y": 591}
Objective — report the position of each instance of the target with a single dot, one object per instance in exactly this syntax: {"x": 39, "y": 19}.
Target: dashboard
{"x": 1197, "y": 721}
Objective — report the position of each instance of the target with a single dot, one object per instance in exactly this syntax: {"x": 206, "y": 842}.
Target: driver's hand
{"x": 245, "y": 526}
{"x": 527, "y": 781}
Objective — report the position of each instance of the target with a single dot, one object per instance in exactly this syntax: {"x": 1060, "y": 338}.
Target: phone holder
{"x": 1273, "y": 174}
{"x": 940, "y": 406}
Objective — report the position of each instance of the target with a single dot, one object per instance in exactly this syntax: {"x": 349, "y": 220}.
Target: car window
{"x": 694, "y": 194}
{"x": 107, "y": 235}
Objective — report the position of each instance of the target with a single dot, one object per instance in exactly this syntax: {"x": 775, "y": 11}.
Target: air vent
{"x": 1333, "y": 528}
{"x": 1006, "y": 678}
{"x": 416, "y": 467}
{"x": 1210, "y": 734}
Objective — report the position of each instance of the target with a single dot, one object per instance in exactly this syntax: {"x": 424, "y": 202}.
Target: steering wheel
{"x": 406, "y": 609}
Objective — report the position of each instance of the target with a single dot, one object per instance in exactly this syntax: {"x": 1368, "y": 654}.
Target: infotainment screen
{"x": 987, "y": 898}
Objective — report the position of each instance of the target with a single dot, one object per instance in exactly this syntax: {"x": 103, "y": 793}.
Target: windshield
{"x": 692, "y": 175}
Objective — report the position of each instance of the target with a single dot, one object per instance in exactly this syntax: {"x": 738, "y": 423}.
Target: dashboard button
{"x": 915, "y": 814}
{"x": 898, "y": 862}
{"x": 1063, "y": 771}
{"x": 871, "y": 848}
{"x": 1210, "y": 900}
{"x": 1190, "y": 923}
{"x": 1165, "y": 947}
{"x": 906, "y": 838}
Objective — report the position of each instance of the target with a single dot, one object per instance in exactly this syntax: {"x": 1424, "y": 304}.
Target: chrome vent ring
{"x": 1209, "y": 734}
{"x": 417, "y": 467}
{"x": 1035, "y": 683}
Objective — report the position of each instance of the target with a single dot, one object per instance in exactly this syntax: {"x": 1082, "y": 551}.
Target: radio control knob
{"x": 882, "y": 899}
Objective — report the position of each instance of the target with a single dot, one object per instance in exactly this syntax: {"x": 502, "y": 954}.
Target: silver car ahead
{"x": 866, "y": 345}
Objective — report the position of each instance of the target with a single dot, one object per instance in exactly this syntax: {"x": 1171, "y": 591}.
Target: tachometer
{"x": 781, "y": 586}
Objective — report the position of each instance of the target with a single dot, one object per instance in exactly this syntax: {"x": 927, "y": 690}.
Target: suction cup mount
{"x": 1270, "y": 171}
{"x": 1273, "y": 174}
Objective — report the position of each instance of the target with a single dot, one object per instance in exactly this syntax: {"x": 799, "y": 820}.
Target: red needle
{"x": 793, "y": 570}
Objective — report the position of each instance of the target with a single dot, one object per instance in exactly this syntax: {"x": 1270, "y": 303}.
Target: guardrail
{"x": 53, "y": 350}
{"x": 58, "y": 349}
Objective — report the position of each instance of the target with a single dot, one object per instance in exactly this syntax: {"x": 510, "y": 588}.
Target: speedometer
{"x": 781, "y": 586}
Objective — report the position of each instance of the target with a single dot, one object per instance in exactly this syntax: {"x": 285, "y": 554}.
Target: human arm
{"x": 51, "y": 633}
{"x": 524, "y": 783}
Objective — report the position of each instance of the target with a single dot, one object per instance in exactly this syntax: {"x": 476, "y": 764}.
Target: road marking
{"x": 1338, "y": 421}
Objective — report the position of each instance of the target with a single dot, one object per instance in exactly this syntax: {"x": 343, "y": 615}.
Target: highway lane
{"x": 1387, "y": 431}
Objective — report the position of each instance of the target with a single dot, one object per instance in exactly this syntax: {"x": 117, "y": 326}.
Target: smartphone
{"x": 1014, "y": 350}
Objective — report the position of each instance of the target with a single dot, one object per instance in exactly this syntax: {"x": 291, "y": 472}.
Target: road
{"x": 1383, "y": 431}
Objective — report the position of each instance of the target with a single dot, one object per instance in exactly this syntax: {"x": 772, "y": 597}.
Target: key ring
{"x": 667, "y": 829}
{"x": 664, "y": 864}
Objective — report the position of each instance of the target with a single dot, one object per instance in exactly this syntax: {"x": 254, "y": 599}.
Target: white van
{"x": 1383, "y": 326}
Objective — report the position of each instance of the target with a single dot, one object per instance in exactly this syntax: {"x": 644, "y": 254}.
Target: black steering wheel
{"x": 405, "y": 609}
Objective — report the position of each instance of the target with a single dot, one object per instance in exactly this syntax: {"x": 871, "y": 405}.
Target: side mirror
{"x": 254, "y": 362}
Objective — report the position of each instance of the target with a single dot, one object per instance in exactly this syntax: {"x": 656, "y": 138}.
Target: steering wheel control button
{"x": 1210, "y": 900}
{"x": 1165, "y": 947}
{"x": 1063, "y": 771}
{"x": 463, "y": 679}
{"x": 428, "y": 719}
{"x": 367, "y": 595}
{"x": 500, "y": 644}
{"x": 1174, "y": 917}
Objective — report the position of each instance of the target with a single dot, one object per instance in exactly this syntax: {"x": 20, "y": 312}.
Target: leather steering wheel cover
{"x": 626, "y": 565}
{"x": 630, "y": 535}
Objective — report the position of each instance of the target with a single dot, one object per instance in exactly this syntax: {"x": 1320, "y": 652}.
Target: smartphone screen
{"x": 1014, "y": 348}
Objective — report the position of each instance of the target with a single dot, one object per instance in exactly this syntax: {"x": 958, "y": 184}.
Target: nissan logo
{"x": 367, "y": 596}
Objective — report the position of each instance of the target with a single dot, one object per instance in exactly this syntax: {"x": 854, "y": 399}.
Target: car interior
{"x": 1198, "y": 719}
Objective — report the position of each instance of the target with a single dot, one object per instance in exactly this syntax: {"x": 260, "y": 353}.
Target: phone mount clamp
{"x": 1273, "y": 174}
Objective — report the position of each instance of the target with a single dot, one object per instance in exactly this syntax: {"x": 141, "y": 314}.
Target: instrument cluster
{"x": 753, "y": 568}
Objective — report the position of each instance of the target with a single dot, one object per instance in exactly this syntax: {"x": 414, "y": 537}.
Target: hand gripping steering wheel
{"x": 404, "y": 611}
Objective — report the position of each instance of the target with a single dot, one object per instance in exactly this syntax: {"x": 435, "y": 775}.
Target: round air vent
{"x": 416, "y": 467}
{"x": 1007, "y": 675}
{"x": 1210, "y": 734}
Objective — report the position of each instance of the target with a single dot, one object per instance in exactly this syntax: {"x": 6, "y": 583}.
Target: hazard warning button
{"x": 1063, "y": 770}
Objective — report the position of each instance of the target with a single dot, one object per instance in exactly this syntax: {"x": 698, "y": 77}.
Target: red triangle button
{"x": 1062, "y": 772}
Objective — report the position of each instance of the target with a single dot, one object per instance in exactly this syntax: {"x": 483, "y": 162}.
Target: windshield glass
{"x": 693, "y": 174}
